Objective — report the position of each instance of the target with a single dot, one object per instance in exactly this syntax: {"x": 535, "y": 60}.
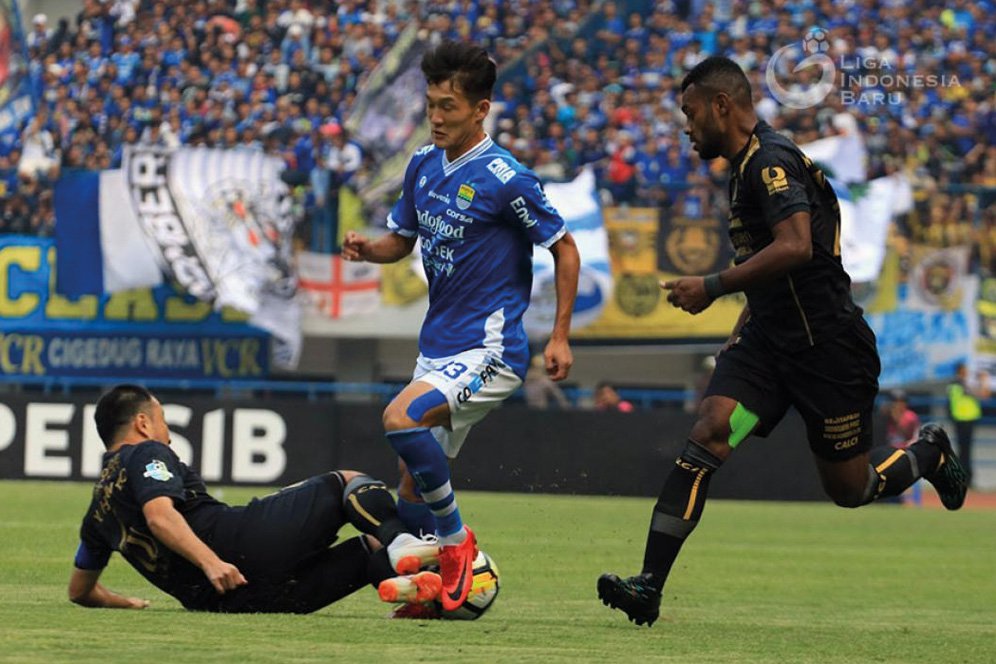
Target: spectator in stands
{"x": 540, "y": 390}
{"x": 234, "y": 62}
{"x": 607, "y": 399}
{"x": 38, "y": 38}
{"x": 902, "y": 425}
{"x": 39, "y": 156}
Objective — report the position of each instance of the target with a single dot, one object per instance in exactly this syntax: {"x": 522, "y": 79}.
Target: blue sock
{"x": 417, "y": 517}
{"x": 429, "y": 467}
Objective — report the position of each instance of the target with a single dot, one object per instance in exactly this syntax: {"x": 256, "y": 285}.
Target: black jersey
{"x": 771, "y": 180}
{"x": 132, "y": 476}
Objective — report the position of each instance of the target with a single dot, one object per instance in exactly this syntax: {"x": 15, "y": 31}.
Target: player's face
{"x": 456, "y": 122}
{"x": 701, "y": 126}
{"x": 153, "y": 424}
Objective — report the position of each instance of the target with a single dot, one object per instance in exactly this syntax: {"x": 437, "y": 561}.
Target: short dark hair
{"x": 720, "y": 74}
{"x": 467, "y": 65}
{"x": 117, "y": 408}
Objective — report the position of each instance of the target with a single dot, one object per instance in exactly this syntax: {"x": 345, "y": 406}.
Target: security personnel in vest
{"x": 965, "y": 410}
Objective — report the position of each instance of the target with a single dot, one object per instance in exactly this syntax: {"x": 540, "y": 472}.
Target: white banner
{"x": 865, "y": 220}
{"x": 221, "y": 224}
{"x": 577, "y": 203}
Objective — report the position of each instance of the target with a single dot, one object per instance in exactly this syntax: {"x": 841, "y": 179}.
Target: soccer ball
{"x": 816, "y": 41}
{"x": 483, "y": 592}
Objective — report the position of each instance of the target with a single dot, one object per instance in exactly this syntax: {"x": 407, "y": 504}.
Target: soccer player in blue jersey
{"x": 478, "y": 212}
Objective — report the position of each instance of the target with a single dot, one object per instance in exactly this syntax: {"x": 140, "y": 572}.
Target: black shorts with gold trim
{"x": 833, "y": 385}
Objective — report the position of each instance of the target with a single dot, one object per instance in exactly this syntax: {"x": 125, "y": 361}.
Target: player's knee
{"x": 348, "y": 475}
{"x": 849, "y": 494}
{"x": 396, "y": 419}
{"x": 713, "y": 434}
{"x": 849, "y": 499}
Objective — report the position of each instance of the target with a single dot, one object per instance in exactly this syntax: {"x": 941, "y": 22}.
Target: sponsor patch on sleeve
{"x": 157, "y": 470}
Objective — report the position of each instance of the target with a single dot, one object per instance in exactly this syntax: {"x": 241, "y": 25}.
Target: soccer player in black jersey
{"x": 800, "y": 341}
{"x": 272, "y": 555}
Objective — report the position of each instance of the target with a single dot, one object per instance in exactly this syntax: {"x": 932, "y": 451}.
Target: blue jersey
{"x": 478, "y": 218}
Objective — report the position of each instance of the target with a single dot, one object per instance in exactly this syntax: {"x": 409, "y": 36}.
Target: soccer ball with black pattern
{"x": 483, "y": 591}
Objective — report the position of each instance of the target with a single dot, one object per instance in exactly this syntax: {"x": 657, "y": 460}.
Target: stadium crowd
{"x": 583, "y": 82}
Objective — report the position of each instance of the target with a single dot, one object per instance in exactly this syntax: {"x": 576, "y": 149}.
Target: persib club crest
{"x": 157, "y": 470}
{"x": 465, "y": 196}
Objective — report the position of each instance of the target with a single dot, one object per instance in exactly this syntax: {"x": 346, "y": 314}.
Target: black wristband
{"x": 713, "y": 286}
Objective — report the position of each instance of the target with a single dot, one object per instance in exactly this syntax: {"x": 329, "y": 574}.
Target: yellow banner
{"x": 399, "y": 284}
{"x": 638, "y": 308}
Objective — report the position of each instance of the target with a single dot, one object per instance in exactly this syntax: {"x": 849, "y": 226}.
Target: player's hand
{"x": 688, "y": 294}
{"x": 354, "y": 246}
{"x": 559, "y": 359}
{"x": 224, "y": 576}
{"x": 136, "y": 603}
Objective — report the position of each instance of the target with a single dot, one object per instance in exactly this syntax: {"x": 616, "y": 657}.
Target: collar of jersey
{"x": 450, "y": 166}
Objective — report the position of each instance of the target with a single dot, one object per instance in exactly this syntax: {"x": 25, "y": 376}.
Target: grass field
{"x": 758, "y": 582}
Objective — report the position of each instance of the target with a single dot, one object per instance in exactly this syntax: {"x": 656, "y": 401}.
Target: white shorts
{"x": 474, "y": 383}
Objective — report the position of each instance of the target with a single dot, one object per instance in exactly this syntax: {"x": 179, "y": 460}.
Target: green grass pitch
{"x": 758, "y": 582}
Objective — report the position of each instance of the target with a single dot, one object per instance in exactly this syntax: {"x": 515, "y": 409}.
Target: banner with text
{"x": 218, "y": 222}
{"x": 228, "y": 441}
{"x": 918, "y": 344}
{"x": 141, "y": 334}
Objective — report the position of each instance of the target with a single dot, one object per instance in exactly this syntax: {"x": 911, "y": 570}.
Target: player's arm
{"x": 388, "y": 248}
{"x": 84, "y": 586}
{"x": 169, "y": 527}
{"x": 792, "y": 247}
{"x": 567, "y": 265}
{"x": 86, "y": 590}
{"x": 402, "y": 223}
{"x": 777, "y": 178}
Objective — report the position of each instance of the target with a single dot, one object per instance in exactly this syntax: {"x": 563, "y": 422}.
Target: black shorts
{"x": 833, "y": 385}
{"x": 282, "y": 545}
{"x": 274, "y": 534}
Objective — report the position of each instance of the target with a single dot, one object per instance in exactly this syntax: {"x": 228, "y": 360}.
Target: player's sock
{"x": 678, "y": 509}
{"x": 431, "y": 471}
{"x": 417, "y": 516}
{"x": 370, "y": 507}
{"x": 896, "y": 470}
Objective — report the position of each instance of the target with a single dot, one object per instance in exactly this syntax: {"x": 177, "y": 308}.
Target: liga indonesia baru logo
{"x": 804, "y": 91}
{"x": 861, "y": 79}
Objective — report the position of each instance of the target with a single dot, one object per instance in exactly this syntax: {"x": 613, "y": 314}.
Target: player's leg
{"x": 271, "y": 535}
{"x": 426, "y": 424}
{"x": 884, "y": 471}
{"x": 370, "y": 508}
{"x": 676, "y": 513}
{"x": 743, "y": 397}
{"x": 408, "y": 421}
{"x": 834, "y": 387}
{"x": 412, "y": 509}
{"x": 323, "y": 578}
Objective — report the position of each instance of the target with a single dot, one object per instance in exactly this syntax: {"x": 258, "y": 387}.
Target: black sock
{"x": 898, "y": 469}
{"x": 370, "y": 507}
{"x": 678, "y": 509}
